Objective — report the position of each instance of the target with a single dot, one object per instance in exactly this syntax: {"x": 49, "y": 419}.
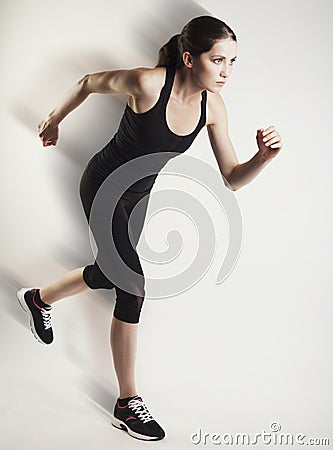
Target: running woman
{"x": 167, "y": 107}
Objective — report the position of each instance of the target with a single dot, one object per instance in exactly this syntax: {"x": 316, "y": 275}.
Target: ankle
{"x": 42, "y": 297}
{"x": 127, "y": 394}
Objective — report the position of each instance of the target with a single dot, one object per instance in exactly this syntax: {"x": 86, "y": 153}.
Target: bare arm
{"x": 246, "y": 172}
{"x": 218, "y": 134}
{"x": 108, "y": 82}
{"x": 75, "y": 96}
{"x": 238, "y": 175}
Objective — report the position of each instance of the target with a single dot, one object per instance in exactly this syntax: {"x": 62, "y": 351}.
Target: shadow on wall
{"x": 91, "y": 127}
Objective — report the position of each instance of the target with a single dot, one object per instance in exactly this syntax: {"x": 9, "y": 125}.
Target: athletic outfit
{"x": 144, "y": 134}
{"x": 138, "y": 134}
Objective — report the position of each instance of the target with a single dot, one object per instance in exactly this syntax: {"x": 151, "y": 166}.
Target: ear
{"x": 187, "y": 59}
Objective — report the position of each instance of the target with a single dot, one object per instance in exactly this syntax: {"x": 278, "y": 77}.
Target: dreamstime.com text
{"x": 272, "y": 437}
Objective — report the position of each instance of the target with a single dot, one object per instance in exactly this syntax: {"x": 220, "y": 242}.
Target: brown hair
{"x": 198, "y": 36}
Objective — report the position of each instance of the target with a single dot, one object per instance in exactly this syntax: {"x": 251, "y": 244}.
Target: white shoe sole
{"x": 24, "y": 306}
{"x": 122, "y": 426}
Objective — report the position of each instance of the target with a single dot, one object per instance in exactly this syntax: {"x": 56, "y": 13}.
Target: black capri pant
{"x": 128, "y": 304}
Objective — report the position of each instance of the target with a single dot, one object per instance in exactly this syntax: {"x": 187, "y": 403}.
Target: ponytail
{"x": 169, "y": 54}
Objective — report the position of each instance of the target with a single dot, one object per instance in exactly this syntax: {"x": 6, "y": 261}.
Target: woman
{"x": 167, "y": 107}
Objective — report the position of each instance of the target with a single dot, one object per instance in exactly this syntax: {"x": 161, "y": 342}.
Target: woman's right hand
{"x": 48, "y": 132}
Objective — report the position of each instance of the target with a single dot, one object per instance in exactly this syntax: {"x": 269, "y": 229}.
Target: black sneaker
{"x": 40, "y": 317}
{"x": 137, "y": 420}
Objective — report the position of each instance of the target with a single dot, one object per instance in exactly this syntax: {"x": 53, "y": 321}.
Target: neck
{"x": 185, "y": 89}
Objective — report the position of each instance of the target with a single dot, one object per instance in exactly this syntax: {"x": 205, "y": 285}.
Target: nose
{"x": 225, "y": 70}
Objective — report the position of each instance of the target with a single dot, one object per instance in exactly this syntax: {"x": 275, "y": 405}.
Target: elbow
{"x": 229, "y": 182}
{"x": 83, "y": 84}
{"x": 229, "y": 185}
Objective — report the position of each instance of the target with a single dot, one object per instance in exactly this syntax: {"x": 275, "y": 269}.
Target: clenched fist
{"x": 269, "y": 142}
{"x": 48, "y": 132}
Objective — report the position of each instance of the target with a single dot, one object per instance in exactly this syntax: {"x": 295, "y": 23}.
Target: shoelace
{"x": 46, "y": 318}
{"x": 141, "y": 410}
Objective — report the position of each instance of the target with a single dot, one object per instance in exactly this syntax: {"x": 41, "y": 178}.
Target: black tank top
{"x": 143, "y": 133}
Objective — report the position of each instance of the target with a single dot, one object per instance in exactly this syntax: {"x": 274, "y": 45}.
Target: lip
{"x": 220, "y": 82}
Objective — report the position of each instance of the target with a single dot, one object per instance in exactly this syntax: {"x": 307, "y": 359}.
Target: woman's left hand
{"x": 269, "y": 142}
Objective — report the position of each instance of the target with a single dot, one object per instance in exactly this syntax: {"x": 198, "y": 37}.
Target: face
{"x": 214, "y": 67}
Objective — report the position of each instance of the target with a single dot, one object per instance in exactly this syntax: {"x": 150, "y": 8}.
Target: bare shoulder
{"x": 150, "y": 80}
{"x": 216, "y": 109}
{"x": 149, "y": 85}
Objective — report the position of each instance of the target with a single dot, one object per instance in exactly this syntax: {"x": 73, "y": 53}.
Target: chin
{"x": 215, "y": 89}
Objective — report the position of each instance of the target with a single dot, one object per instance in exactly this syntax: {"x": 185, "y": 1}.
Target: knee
{"x": 128, "y": 306}
{"x": 95, "y": 278}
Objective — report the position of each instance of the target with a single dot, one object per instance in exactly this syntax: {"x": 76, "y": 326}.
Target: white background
{"x": 224, "y": 358}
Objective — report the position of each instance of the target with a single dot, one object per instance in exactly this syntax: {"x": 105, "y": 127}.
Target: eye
{"x": 220, "y": 59}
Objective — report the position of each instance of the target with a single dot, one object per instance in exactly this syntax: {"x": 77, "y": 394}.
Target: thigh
{"x": 136, "y": 205}
{"x": 89, "y": 185}
{"x": 127, "y": 224}
{"x": 114, "y": 227}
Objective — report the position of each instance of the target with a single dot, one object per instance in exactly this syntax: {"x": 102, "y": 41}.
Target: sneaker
{"x": 40, "y": 317}
{"x": 137, "y": 420}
